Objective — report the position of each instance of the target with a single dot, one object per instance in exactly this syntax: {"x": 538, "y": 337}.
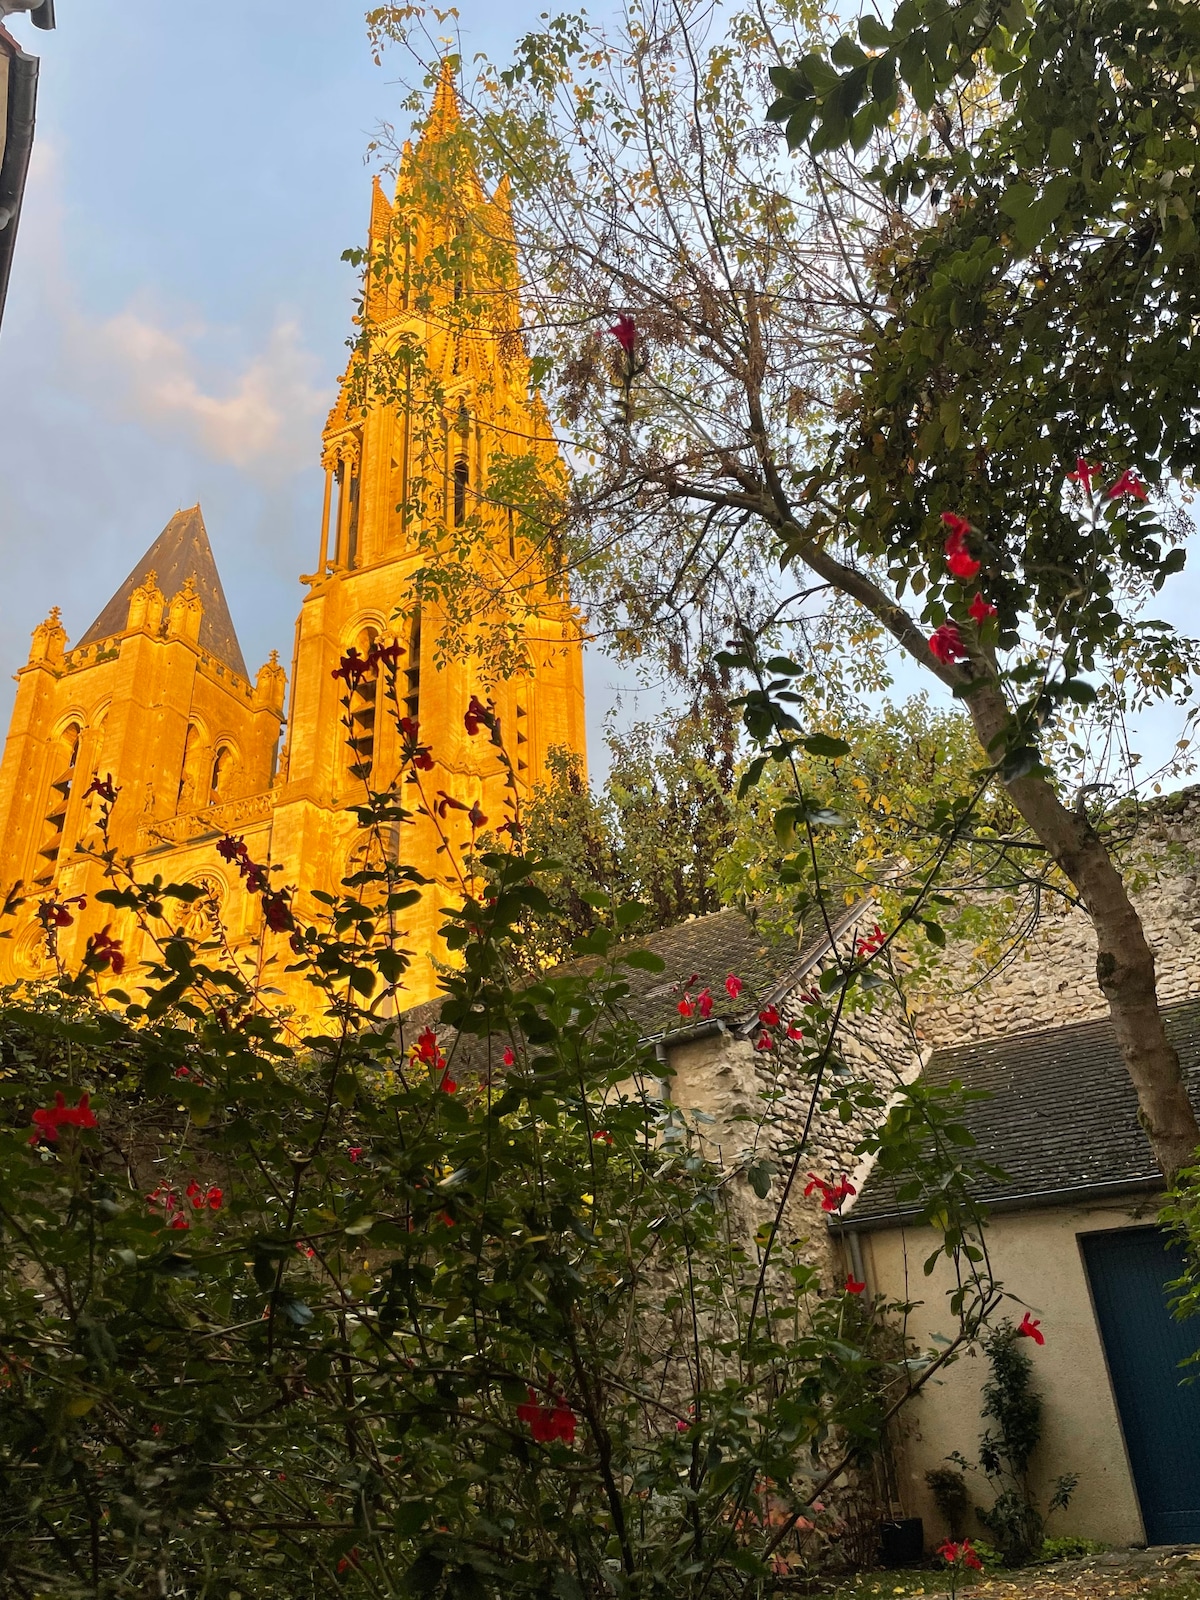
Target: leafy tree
{"x": 654, "y": 836}
{"x": 458, "y": 1312}
{"x": 974, "y": 277}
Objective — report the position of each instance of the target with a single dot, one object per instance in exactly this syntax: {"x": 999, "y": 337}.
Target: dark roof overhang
{"x": 18, "y": 143}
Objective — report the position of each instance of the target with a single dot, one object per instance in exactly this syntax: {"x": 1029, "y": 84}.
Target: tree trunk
{"x": 1124, "y": 959}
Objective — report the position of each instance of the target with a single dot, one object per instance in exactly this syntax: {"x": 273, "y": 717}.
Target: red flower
{"x": 963, "y": 1553}
{"x": 230, "y": 849}
{"x": 794, "y": 1032}
{"x": 349, "y": 1561}
{"x": 853, "y": 1286}
{"x": 733, "y": 986}
{"x": 682, "y": 1427}
{"x": 448, "y": 1084}
{"x": 353, "y": 667}
{"x": 306, "y": 1250}
{"x": 354, "y": 1151}
{"x": 1128, "y": 483}
{"x": 179, "y": 1221}
{"x": 476, "y": 817}
{"x": 447, "y": 803}
{"x": 49, "y": 1119}
{"x": 106, "y": 951}
{"x": 624, "y": 331}
{"x": 602, "y": 1136}
{"x": 476, "y": 715}
{"x": 54, "y": 914}
{"x": 946, "y": 644}
{"x": 959, "y": 559}
{"x": 508, "y": 1058}
{"x": 548, "y": 1422}
{"x": 959, "y": 526}
{"x": 764, "y": 1041}
{"x": 685, "y": 1006}
{"x": 832, "y": 1194}
{"x": 704, "y": 1003}
{"x": 961, "y": 562}
{"x": 389, "y": 654}
{"x": 104, "y": 787}
{"x": 769, "y": 1016}
{"x": 981, "y": 611}
{"x": 277, "y": 913}
{"x": 873, "y": 941}
{"x": 1031, "y": 1329}
{"x": 426, "y": 1049}
{"x": 1083, "y": 474}
{"x": 202, "y": 1198}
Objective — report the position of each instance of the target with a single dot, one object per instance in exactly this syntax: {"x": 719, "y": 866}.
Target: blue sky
{"x": 178, "y": 311}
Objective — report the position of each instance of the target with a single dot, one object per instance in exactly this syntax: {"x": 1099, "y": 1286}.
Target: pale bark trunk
{"x": 1124, "y": 960}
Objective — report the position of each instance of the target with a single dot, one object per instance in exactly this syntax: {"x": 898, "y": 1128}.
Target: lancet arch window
{"x": 64, "y": 759}
{"x": 412, "y": 672}
{"x": 221, "y": 775}
{"x": 462, "y": 479}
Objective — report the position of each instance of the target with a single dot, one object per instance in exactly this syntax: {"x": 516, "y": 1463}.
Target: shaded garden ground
{"x": 1168, "y": 1572}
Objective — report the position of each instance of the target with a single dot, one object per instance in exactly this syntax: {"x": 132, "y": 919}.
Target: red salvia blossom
{"x": 873, "y": 941}
{"x": 354, "y": 1151}
{"x": 47, "y": 1120}
{"x": 476, "y": 817}
{"x": 959, "y": 526}
{"x": 426, "y": 1049}
{"x": 733, "y": 986}
{"x": 477, "y": 715}
{"x": 963, "y": 1554}
{"x": 277, "y": 913}
{"x": 421, "y": 755}
{"x": 686, "y": 1006}
{"x": 704, "y": 1003}
{"x": 548, "y": 1422}
{"x": 602, "y": 1136}
{"x": 212, "y": 1198}
{"x": 54, "y": 913}
{"x": 853, "y": 1285}
{"x": 981, "y": 611}
{"x": 946, "y": 644}
{"x": 348, "y": 1561}
{"x": 1128, "y": 484}
{"x": 231, "y": 849}
{"x": 1031, "y": 1328}
{"x": 1082, "y": 475}
{"x": 104, "y": 787}
{"x": 448, "y": 1084}
{"x": 769, "y": 1017}
{"x": 764, "y": 1041}
{"x": 624, "y": 331}
{"x": 832, "y": 1194}
{"x": 105, "y": 951}
{"x": 961, "y": 562}
{"x": 389, "y": 654}
{"x": 508, "y": 1058}
{"x": 353, "y": 668}
{"x": 794, "y": 1031}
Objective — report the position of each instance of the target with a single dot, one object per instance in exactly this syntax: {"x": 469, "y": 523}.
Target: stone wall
{"x": 1051, "y": 979}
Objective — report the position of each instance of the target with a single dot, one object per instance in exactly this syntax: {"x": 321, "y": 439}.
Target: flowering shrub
{"x": 459, "y": 1305}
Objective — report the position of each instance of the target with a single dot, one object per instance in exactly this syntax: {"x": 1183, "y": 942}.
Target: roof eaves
{"x": 1146, "y": 1183}
{"x": 18, "y": 143}
{"x": 808, "y": 959}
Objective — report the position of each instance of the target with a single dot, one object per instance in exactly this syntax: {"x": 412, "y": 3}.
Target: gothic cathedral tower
{"x": 443, "y": 491}
{"x": 439, "y": 533}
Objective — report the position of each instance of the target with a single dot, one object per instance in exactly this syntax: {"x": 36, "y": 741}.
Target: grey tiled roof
{"x": 707, "y": 949}
{"x": 181, "y": 551}
{"x": 1061, "y": 1117}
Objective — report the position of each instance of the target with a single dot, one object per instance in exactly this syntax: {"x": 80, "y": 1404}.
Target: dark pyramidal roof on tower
{"x": 180, "y": 552}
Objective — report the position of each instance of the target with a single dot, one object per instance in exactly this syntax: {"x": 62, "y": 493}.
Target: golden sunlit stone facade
{"x": 441, "y": 476}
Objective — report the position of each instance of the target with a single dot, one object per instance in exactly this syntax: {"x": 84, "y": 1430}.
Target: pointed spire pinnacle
{"x": 404, "y": 178}
{"x": 444, "y": 113}
{"x": 180, "y": 552}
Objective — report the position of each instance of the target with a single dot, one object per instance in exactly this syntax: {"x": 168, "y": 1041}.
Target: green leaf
{"x": 824, "y": 744}
{"x": 643, "y": 960}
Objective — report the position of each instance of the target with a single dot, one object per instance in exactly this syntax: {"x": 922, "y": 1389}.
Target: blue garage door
{"x": 1160, "y": 1413}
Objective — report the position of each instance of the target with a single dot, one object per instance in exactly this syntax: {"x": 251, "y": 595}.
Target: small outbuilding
{"x": 1074, "y": 1239}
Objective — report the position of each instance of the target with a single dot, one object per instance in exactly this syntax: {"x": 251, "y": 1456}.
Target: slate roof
{"x": 181, "y": 551}
{"x": 708, "y": 948}
{"x": 1061, "y": 1119}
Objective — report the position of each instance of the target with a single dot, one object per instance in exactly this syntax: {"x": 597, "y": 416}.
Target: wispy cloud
{"x": 262, "y": 418}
